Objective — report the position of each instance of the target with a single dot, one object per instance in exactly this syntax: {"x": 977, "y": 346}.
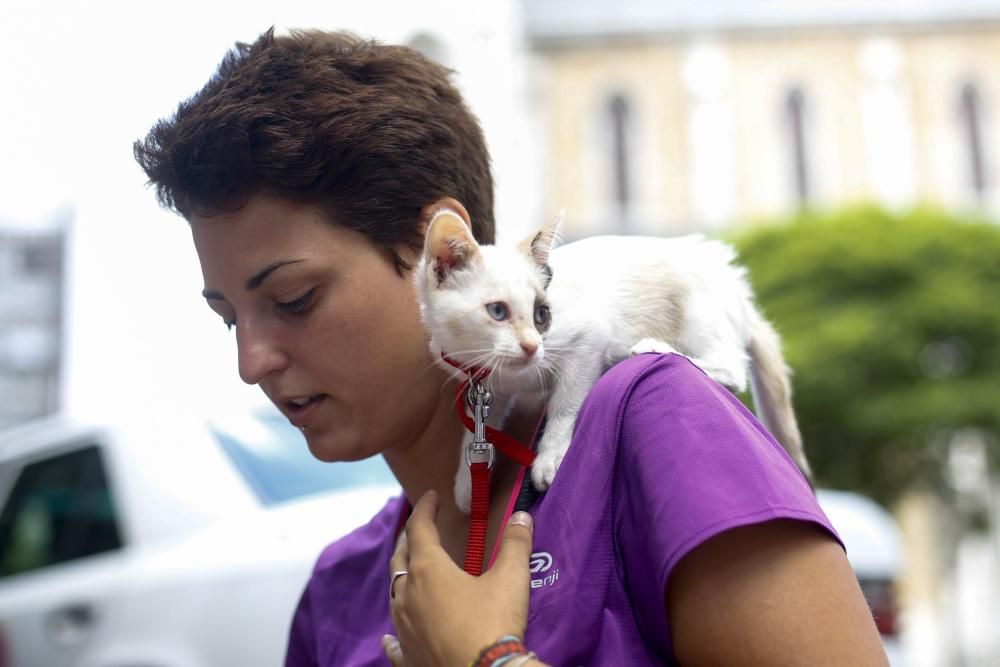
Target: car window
{"x": 273, "y": 457}
{"x": 60, "y": 509}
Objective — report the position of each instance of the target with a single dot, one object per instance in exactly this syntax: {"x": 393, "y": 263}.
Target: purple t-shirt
{"x": 662, "y": 459}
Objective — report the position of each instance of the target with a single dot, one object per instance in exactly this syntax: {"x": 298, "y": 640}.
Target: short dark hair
{"x": 369, "y": 132}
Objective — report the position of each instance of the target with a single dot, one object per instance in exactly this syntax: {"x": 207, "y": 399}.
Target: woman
{"x": 676, "y": 531}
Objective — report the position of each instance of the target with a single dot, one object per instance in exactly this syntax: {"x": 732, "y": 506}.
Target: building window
{"x": 971, "y": 114}
{"x": 799, "y": 154}
{"x": 619, "y": 112}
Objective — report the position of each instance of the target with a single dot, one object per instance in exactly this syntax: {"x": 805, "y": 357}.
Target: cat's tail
{"x": 772, "y": 389}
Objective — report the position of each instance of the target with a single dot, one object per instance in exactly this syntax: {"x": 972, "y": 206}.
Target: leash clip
{"x": 479, "y": 450}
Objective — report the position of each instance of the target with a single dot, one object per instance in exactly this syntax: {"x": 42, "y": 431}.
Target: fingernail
{"x": 388, "y": 641}
{"x": 521, "y": 519}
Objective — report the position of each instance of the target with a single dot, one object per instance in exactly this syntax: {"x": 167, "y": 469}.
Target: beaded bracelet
{"x": 504, "y": 652}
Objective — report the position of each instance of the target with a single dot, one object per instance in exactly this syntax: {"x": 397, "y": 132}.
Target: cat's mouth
{"x": 520, "y": 363}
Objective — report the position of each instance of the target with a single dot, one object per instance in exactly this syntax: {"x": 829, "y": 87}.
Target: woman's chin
{"x": 329, "y": 449}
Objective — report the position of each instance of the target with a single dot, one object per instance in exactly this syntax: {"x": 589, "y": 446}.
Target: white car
{"x": 177, "y": 543}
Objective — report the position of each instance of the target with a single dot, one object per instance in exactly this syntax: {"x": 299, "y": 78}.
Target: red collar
{"x": 474, "y": 372}
{"x": 503, "y": 442}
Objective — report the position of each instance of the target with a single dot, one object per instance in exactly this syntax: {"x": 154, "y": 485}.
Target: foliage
{"x": 891, "y": 323}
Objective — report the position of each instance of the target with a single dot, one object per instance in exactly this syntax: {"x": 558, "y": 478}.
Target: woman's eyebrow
{"x": 256, "y": 280}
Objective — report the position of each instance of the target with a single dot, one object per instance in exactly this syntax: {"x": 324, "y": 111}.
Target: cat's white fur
{"x": 609, "y": 297}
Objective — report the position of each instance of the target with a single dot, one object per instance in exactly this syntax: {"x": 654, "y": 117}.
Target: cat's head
{"x": 485, "y": 305}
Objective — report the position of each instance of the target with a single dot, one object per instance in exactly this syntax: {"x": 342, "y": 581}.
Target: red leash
{"x": 475, "y": 547}
{"x": 479, "y": 517}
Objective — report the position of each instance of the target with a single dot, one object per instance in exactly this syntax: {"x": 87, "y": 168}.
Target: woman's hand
{"x": 443, "y": 615}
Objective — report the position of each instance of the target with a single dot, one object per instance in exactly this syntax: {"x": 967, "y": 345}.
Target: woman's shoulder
{"x": 344, "y": 611}
{"x": 654, "y": 372}
{"x": 356, "y": 551}
{"x": 656, "y": 391}
{"x": 686, "y": 445}
{"x": 660, "y": 411}
{"x": 682, "y": 442}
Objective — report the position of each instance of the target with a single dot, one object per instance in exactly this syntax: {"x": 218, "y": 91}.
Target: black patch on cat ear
{"x": 540, "y": 245}
{"x": 546, "y": 272}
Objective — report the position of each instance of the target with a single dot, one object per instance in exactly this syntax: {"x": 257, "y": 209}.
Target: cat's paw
{"x": 734, "y": 378}
{"x": 652, "y": 345}
{"x": 552, "y": 447}
{"x": 543, "y": 470}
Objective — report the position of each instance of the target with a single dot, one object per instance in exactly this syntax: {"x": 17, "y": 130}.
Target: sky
{"x": 82, "y": 81}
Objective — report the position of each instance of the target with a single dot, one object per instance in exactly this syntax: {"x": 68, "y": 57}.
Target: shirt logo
{"x": 541, "y": 563}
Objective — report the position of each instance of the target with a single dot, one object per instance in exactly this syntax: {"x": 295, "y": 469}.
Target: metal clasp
{"x": 479, "y": 450}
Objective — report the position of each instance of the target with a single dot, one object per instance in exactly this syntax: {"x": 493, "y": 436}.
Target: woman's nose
{"x": 258, "y": 352}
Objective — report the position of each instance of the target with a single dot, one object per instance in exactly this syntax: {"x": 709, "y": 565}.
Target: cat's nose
{"x": 529, "y": 348}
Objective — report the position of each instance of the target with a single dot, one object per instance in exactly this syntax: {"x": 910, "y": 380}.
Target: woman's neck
{"x": 431, "y": 459}
{"x": 428, "y": 460}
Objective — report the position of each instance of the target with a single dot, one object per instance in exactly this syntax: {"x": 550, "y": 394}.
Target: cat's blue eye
{"x": 542, "y": 315}
{"x": 497, "y": 310}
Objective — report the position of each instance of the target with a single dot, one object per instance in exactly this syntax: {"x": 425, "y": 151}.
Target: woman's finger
{"x": 515, "y": 551}
{"x": 398, "y": 565}
{"x": 393, "y": 651}
{"x": 401, "y": 556}
{"x": 421, "y": 530}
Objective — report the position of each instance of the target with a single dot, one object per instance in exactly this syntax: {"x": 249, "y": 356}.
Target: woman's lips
{"x": 298, "y": 413}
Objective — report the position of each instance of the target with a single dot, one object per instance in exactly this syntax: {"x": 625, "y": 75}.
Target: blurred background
{"x": 850, "y": 149}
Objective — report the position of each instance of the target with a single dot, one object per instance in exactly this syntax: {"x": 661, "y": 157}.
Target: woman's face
{"x": 323, "y": 324}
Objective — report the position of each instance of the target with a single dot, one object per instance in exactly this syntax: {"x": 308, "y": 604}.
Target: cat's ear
{"x": 449, "y": 244}
{"x": 539, "y": 245}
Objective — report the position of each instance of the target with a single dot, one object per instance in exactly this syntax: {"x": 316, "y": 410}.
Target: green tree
{"x": 891, "y": 324}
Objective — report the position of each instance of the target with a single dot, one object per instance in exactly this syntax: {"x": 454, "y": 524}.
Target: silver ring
{"x": 392, "y": 584}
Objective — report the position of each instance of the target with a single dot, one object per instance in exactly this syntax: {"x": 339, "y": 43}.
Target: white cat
{"x": 548, "y": 323}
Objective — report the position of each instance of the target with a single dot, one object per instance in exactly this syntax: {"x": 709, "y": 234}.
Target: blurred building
{"x": 31, "y": 322}
{"x": 666, "y": 117}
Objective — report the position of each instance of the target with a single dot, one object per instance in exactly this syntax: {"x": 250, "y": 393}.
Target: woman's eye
{"x": 497, "y": 310}
{"x": 542, "y": 315}
{"x": 299, "y": 305}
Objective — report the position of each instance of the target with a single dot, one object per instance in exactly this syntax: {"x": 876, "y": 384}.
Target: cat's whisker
{"x": 538, "y": 372}
{"x": 558, "y": 355}
{"x": 431, "y": 366}
{"x": 477, "y": 355}
{"x": 497, "y": 366}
